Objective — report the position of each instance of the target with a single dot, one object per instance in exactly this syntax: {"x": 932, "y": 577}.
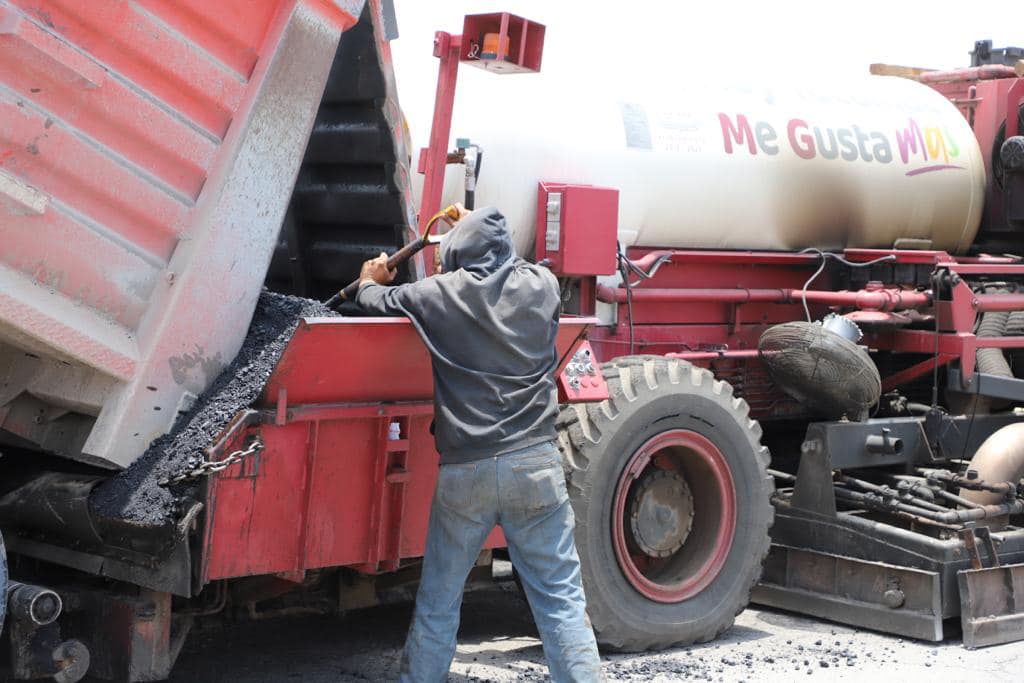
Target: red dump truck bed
{"x": 148, "y": 150}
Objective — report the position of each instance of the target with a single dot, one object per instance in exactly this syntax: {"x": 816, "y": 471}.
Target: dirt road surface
{"x": 498, "y": 642}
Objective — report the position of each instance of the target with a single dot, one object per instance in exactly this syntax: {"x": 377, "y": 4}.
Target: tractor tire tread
{"x": 582, "y": 427}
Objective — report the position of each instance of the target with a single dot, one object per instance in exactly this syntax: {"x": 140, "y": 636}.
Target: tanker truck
{"x": 790, "y": 343}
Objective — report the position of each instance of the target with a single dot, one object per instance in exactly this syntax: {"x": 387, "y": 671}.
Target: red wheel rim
{"x": 694, "y": 565}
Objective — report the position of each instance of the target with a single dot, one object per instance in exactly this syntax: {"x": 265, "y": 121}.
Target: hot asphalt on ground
{"x": 498, "y": 642}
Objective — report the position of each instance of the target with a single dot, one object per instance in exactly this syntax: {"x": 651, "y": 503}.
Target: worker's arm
{"x": 375, "y": 297}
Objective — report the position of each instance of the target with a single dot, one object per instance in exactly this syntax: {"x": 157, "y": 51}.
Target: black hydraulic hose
{"x": 877, "y": 502}
{"x": 1006, "y": 488}
{"x": 955, "y": 499}
{"x": 886, "y": 492}
{"x": 874, "y": 501}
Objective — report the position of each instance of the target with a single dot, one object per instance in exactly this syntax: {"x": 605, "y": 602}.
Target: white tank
{"x": 872, "y": 162}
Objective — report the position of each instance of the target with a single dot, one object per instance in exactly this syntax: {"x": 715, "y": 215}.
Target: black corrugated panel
{"x": 352, "y": 198}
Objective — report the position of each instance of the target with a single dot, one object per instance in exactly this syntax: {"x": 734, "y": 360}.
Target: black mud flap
{"x": 992, "y": 605}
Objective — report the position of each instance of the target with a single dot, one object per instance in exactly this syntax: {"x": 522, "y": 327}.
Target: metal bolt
{"x": 893, "y": 598}
{"x": 810, "y": 446}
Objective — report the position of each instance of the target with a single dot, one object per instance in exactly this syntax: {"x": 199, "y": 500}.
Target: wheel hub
{"x": 674, "y": 515}
{"x": 661, "y": 515}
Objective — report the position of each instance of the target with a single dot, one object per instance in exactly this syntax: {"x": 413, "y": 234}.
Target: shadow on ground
{"x": 361, "y": 646}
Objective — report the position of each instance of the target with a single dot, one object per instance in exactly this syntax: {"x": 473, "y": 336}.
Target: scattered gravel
{"x": 135, "y": 494}
{"x": 498, "y": 642}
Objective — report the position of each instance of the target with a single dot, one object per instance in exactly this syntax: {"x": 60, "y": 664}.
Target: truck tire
{"x": 669, "y": 484}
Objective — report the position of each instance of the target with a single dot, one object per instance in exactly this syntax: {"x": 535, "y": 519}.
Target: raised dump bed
{"x": 148, "y": 151}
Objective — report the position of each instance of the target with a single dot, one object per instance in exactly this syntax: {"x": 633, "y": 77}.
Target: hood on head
{"x": 479, "y": 243}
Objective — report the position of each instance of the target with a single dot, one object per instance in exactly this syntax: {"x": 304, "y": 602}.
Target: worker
{"x": 489, "y": 321}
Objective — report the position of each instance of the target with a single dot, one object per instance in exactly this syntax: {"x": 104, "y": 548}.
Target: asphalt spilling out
{"x": 135, "y": 494}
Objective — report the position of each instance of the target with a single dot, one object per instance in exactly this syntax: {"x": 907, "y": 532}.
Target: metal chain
{"x": 209, "y": 467}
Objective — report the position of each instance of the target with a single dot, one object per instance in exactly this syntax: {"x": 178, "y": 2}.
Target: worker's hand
{"x": 376, "y": 270}
{"x": 460, "y": 211}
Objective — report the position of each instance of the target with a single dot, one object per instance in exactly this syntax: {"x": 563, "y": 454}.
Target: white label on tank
{"x": 661, "y": 129}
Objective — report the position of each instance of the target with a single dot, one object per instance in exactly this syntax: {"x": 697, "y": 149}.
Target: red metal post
{"x": 446, "y": 48}
{"x": 985, "y": 303}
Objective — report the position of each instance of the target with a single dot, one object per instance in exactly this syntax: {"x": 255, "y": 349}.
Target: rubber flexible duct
{"x": 1015, "y": 328}
{"x": 993, "y": 361}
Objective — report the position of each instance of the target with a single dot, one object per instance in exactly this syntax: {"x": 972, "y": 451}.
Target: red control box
{"x": 577, "y": 228}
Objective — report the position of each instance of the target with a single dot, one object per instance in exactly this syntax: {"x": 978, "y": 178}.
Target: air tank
{"x": 863, "y": 162}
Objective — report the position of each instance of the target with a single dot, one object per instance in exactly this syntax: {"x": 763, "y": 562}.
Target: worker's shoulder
{"x": 541, "y": 272}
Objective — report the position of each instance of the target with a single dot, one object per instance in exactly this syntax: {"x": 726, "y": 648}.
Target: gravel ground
{"x": 765, "y": 645}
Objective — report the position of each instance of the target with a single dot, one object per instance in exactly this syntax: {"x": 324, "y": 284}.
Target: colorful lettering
{"x": 909, "y": 140}
{"x": 738, "y": 133}
{"x": 931, "y": 143}
{"x": 802, "y": 144}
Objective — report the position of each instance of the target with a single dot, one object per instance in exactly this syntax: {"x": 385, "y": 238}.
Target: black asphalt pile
{"x": 135, "y": 494}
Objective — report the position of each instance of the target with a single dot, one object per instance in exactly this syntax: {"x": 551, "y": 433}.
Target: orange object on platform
{"x": 491, "y": 45}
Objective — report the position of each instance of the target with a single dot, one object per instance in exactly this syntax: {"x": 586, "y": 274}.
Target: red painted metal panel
{"x": 325, "y": 494}
{"x": 109, "y": 358}
{"x": 131, "y": 42}
{"x": 48, "y": 247}
{"x": 73, "y": 172}
{"x": 357, "y": 360}
{"x": 331, "y": 489}
{"x": 352, "y": 360}
{"x": 43, "y": 70}
{"x": 232, "y": 31}
{"x": 587, "y": 221}
{"x": 344, "y": 482}
{"x": 257, "y": 510}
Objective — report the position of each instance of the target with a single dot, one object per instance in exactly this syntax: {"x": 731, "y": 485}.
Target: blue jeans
{"x": 523, "y": 491}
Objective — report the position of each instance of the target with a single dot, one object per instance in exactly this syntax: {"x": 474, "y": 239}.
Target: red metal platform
{"x": 330, "y": 488}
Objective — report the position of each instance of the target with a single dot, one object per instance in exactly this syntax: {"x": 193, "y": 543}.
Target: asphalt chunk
{"x": 135, "y": 494}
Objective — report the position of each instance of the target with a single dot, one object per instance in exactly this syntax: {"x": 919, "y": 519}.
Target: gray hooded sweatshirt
{"x": 489, "y": 322}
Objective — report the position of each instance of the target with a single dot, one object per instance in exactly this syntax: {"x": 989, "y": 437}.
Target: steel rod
{"x": 874, "y": 300}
